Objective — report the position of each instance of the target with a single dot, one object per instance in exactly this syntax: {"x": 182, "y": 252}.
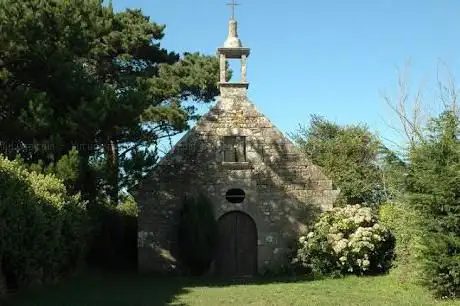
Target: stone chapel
{"x": 263, "y": 190}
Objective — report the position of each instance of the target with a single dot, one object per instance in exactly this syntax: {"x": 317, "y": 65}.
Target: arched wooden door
{"x": 237, "y": 248}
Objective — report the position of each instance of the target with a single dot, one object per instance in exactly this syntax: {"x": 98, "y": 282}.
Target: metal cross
{"x": 233, "y": 4}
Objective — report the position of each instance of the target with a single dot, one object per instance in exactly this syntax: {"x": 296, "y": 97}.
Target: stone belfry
{"x": 233, "y": 49}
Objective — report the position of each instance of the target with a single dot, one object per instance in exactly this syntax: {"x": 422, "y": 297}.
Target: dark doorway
{"x": 237, "y": 247}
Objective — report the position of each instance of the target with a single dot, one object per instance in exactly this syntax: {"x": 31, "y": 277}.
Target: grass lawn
{"x": 130, "y": 289}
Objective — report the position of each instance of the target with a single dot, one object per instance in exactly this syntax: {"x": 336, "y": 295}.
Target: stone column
{"x": 223, "y": 70}
{"x": 244, "y": 61}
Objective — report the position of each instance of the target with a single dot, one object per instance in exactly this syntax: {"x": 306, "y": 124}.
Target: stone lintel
{"x": 233, "y": 89}
{"x": 237, "y": 165}
{"x": 234, "y": 52}
{"x": 235, "y": 85}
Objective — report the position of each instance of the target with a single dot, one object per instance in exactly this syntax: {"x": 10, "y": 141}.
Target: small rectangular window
{"x": 234, "y": 149}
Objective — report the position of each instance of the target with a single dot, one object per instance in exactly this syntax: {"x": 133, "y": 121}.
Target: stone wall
{"x": 284, "y": 190}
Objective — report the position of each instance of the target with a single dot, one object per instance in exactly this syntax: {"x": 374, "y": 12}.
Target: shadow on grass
{"x": 127, "y": 288}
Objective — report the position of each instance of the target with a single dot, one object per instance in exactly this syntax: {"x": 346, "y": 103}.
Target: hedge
{"x": 43, "y": 230}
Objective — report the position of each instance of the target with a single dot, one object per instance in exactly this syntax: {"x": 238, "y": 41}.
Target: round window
{"x": 235, "y": 195}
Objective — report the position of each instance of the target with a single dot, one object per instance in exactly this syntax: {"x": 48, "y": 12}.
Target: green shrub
{"x": 197, "y": 234}
{"x": 128, "y": 207}
{"x": 404, "y": 224}
{"x": 346, "y": 240}
{"x": 440, "y": 263}
{"x": 434, "y": 193}
{"x": 65, "y": 169}
{"x": 114, "y": 235}
{"x": 281, "y": 265}
{"x": 42, "y": 229}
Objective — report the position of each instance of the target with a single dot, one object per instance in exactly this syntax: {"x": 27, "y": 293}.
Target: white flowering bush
{"x": 346, "y": 240}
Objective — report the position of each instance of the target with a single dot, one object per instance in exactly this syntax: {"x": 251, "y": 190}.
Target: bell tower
{"x": 233, "y": 49}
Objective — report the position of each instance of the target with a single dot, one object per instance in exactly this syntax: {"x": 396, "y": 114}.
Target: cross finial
{"x": 233, "y": 4}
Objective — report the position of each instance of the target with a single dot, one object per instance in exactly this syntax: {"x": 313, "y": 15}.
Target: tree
{"x": 433, "y": 191}
{"x": 349, "y": 155}
{"x": 428, "y": 190}
{"x": 48, "y": 97}
{"x": 77, "y": 74}
{"x": 412, "y": 112}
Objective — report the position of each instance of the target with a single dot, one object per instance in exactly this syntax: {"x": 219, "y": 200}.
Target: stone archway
{"x": 237, "y": 245}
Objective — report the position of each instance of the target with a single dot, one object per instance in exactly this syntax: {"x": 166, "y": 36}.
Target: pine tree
{"x": 434, "y": 192}
{"x": 76, "y": 73}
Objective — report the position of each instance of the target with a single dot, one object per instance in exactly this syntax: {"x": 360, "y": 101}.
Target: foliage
{"x": 114, "y": 235}
{"x": 86, "y": 94}
{"x": 128, "y": 207}
{"x": 348, "y": 154}
{"x": 346, "y": 240}
{"x": 282, "y": 265}
{"x": 434, "y": 193}
{"x": 76, "y": 73}
{"x": 197, "y": 234}
{"x": 404, "y": 224}
{"x": 43, "y": 230}
{"x": 394, "y": 168}
{"x": 66, "y": 168}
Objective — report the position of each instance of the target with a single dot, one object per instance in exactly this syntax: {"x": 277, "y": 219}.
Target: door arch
{"x": 237, "y": 245}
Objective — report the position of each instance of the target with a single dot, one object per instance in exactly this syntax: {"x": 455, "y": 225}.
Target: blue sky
{"x": 328, "y": 57}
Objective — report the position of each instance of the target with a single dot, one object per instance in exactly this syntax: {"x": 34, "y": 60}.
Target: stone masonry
{"x": 284, "y": 190}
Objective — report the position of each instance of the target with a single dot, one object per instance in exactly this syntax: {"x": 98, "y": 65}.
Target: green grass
{"x": 130, "y": 289}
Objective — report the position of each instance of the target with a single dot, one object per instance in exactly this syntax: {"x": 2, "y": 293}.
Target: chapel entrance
{"x": 237, "y": 248}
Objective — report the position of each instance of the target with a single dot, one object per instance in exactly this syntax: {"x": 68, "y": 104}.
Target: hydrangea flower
{"x": 344, "y": 238}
